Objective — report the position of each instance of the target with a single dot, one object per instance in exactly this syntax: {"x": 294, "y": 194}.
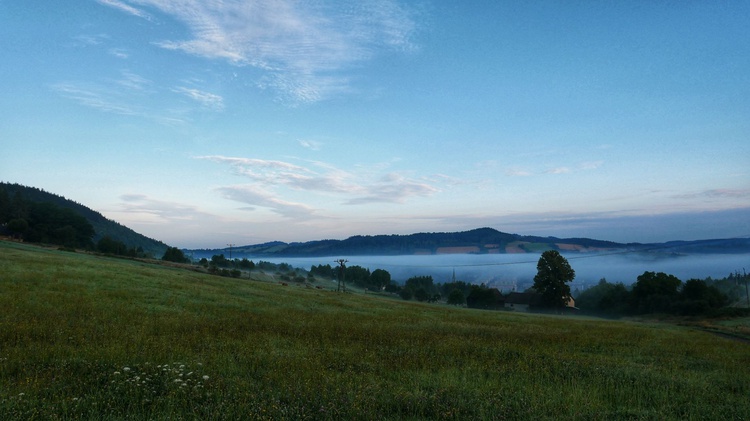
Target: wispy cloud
{"x": 558, "y": 170}
{"x": 131, "y": 94}
{"x": 524, "y": 172}
{"x": 133, "y": 81}
{"x": 591, "y": 165}
{"x": 393, "y": 188}
{"x": 122, "y": 6}
{"x": 717, "y": 194}
{"x": 87, "y": 39}
{"x": 310, "y": 144}
{"x": 107, "y": 98}
{"x": 280, "y": 173}
{"x": 270, "y": 177}
{"x": 255, "y": 196}
{"x": 206, "y": 99}
{"x": 304, "y": 48}
{"x": 119, "y": 53}
{"x": 518, "y": 172}
{"x": 158, "y": 210}
{"x": 95, "y": 97}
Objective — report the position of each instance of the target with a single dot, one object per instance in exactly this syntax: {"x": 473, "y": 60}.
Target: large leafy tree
{"x": 357, "y": 275}
{"x": 380, "y": 279}
{"x": 552, "y": 277}
{"x": 655, "y": 292}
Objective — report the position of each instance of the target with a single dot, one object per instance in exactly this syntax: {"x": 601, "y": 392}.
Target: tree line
{"x": 53, "y": 224}
{"x": 651, "y": 293}
{"x": 43, "y": 222}
{"x": 662, "y": 293}
{"x": 33, "y": 215}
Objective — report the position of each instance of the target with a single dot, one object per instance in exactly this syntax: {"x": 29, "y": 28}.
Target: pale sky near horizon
{"x": 203, "y": 123}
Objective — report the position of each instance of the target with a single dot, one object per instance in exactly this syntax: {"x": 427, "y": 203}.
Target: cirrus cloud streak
{"x": 270, "y": 180}
{"x": 302, "y": 48}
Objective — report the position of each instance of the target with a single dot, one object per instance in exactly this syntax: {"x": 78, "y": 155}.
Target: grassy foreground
{"x": 86, "y": 337}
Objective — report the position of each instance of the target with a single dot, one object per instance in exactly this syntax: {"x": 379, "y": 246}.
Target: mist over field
{"x": 505, "y": 271}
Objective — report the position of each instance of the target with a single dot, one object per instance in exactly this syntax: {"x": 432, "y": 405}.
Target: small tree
{"x": 173, "y": 254}
{"x": 485, "y": 298}
{"x": 605, "y": 299}
{"x": 220, "y": 260}
{"x": 109, "y": 245}
{"x": 551, "y": 280}
{"x": 380, "y": 279}
{"x": 456, "y": 298}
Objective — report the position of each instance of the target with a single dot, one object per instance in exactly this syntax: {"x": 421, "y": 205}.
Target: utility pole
{"x": 230, "y": 250}
{"x": 744, "y": 275}
{"x": 342, "y": 275}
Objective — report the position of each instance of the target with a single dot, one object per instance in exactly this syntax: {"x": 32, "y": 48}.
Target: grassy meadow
{"x": 91, "y": 337}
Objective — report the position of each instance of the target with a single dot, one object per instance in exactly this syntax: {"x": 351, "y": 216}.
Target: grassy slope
{"x": 92, "y": 337}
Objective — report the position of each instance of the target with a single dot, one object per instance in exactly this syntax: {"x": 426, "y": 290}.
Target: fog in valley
{"x": 516, "y": 271}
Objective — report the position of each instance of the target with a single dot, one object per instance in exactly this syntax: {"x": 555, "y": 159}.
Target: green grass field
{"x": 90, "y": 337}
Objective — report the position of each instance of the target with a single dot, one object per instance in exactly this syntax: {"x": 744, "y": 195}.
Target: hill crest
{"x": 477, "y": 241}
{"x": 102, "y": 226}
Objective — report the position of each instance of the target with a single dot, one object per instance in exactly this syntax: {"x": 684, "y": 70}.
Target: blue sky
{"x": 203, "y": 123}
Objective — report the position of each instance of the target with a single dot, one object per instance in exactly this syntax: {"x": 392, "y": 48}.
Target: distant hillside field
{"x": 91, "y": 337}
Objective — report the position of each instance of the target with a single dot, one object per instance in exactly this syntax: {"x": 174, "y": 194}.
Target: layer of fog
{"x": 516, "y": 271}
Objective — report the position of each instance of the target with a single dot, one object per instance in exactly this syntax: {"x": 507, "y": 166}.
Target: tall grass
{"x": 86, "y": 337}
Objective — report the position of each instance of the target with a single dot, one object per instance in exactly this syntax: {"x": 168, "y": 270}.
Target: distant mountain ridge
{"x": 477, "y": 241}
{"x": 102, "y": 226}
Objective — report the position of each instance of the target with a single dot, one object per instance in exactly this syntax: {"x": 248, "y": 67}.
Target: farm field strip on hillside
{"x": 84, "y": 336}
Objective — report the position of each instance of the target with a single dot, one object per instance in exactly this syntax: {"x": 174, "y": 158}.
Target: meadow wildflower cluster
{"x": 150, "y": 382}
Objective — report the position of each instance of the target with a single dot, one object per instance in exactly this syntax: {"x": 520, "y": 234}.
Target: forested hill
{"x": 103, "y": 227}
{"x": 477, "y": 241}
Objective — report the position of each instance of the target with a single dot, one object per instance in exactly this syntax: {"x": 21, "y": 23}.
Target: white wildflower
{"x": 205, "y": 377}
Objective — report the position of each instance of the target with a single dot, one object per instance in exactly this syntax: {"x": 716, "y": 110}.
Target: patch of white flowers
{"x": 151, "y": 381}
